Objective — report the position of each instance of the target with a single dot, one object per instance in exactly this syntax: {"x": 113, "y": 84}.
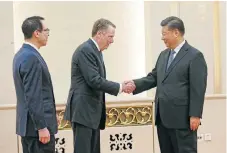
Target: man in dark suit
{"x": 86, "y": 109}
{"x": 36, "y": 120}
{"x": 180, "y": 75}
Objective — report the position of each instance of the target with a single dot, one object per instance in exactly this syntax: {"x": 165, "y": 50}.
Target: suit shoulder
{"x": 194, "y": 51}
{"x": 25, "y": 54}
{"x": 82, "y": 49}
{"x": 164, "y": 51}
{"x": 27, "y": 58}
{"x": 85, "y": 47}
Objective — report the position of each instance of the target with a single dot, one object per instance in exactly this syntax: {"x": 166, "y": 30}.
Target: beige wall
{"x": 222, "y": 13}
{"x": 7, "y": 93}
{"x": 8, "y": 142}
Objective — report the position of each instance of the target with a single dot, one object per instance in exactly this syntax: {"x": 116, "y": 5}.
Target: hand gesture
{"x": 44, "y": 135}
{"x": 128, "y": 86}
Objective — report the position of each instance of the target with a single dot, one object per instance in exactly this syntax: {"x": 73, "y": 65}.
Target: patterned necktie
{"x": 171, "y": 57}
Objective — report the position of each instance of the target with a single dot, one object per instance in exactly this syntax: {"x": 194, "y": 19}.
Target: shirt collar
{"x": 95, "y": 44}
{"x": 177, "y": 49}
{"x": 32, "y": 45}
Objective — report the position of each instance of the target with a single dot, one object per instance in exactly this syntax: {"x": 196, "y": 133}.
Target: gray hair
{"x": 101, "y": 24}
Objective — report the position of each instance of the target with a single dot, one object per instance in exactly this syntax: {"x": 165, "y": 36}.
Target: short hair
{"x": 30, "y": 25}
{"x": 174, "y": 22}
{"x": 101, "y": 24}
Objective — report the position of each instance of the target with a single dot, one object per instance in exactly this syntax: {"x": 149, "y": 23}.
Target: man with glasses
{"x": 36, "y": 120}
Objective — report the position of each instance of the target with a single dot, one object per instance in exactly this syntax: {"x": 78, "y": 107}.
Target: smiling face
{"x": 170, "y": 37}
{"x": 172, "y": 31}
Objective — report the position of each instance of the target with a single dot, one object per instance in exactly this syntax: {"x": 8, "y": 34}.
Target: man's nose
{"x": 162, "y": 38}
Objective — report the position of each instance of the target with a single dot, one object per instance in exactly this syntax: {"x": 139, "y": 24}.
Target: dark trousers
{"x": 86, "y": 140}
{"x": 33, "y": 145}
{"x": 176, "y": 140}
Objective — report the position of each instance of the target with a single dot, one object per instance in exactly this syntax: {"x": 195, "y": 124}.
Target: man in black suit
{"x": 36, "y": 120}
{"x": 86, "y": 109}
{"x": 180, "y": 75}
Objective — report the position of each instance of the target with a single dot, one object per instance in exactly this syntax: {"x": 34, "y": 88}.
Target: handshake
{"x": 128, "y": 86}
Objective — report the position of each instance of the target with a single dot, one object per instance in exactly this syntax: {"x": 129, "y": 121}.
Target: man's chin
{"x": 167, "y": 46}
{"x": 107, "y": 47}
{"x": 44, "y": 44}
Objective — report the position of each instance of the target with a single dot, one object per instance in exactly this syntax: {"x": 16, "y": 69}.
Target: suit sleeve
{"x": 31, "y": 71}
{"x": 198, "y": 83}
{"x": 148, "y": 82}
{"x": 90, "y": 71}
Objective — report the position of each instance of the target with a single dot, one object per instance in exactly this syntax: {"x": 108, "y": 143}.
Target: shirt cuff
{"x": 120, "y": 89}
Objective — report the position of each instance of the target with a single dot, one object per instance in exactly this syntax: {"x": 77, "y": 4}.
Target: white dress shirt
{"x": 31, "y": 45}
{"x": 177, "y": 49}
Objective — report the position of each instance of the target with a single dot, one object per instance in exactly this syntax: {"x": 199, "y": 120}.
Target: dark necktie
{"x": 171, "y": 57}
{"x": 101, "y": 57}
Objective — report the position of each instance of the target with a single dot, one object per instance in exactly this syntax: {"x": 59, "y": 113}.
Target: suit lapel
{"x": 179, "y": 56}
{"x": 98, "y": 54}
{"x": 104, "y": 70}
{"x": 165, "y": 62}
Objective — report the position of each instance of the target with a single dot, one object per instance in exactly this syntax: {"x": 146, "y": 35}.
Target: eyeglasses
{"x": 45, "y": 30}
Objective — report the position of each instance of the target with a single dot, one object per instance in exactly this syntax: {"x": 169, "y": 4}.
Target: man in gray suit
{"x": 180, "y": 75}
{"x": 86, "y": 109}
{"x": 36, "y": 121}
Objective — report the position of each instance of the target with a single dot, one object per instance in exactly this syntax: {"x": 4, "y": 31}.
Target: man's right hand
{"x": 128, "y": 86}
{"x": 44, "y": 135}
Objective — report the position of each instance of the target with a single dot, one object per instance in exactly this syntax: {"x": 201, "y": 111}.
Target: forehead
{"x": 110, "y": 30}
{"x": 165, "y": 29}
{"x": 44, "y": 24}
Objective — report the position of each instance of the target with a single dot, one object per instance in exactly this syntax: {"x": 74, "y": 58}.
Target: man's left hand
{"x": 194, "y": 123}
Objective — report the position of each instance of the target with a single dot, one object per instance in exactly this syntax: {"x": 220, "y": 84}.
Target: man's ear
{"x": 99, "y": 33}
{"x": 177, "y": 33}
{"x": 36, "y": 33}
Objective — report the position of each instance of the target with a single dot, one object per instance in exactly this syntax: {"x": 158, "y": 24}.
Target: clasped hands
{"x": 128, "y": 86}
